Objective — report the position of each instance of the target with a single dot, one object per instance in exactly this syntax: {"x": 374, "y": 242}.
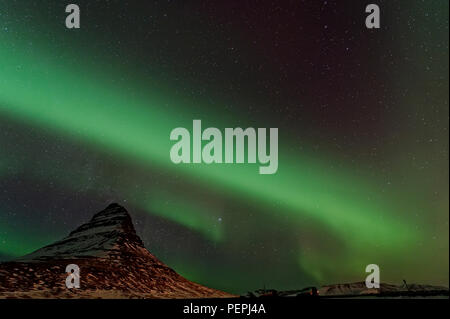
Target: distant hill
{"x": 358, "y": 290}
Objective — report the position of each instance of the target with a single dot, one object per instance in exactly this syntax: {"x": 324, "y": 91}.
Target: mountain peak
{"x": 113, "y": 262}
{"x": 113, "y": 217}
{"x": 110, "y": 231}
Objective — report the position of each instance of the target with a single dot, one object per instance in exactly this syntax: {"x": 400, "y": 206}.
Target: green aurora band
{"x": 43, "y": 88}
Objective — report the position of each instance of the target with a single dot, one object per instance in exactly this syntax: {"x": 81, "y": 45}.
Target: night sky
{"x": 363, "y": 117}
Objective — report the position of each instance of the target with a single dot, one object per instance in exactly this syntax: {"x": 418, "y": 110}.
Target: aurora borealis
{"x": 85, "y": 118}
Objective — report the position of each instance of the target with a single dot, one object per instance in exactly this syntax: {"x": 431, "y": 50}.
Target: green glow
{"x": 39, "y": 88}
{"x": 189, "y": 214}
{"x": 138, "y": 128}
{"x": 78, "y": 103}
{"x": 13, "y": 243}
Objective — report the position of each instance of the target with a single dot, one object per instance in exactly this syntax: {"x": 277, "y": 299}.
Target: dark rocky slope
{"x": 113, "y": 264}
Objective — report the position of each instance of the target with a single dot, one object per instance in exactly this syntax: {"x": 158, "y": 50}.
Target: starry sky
{"x": 363, "y": 174}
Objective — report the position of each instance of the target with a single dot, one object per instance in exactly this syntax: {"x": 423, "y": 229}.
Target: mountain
{"x": 359, "y": 290}
{"x": 388, "y": 290}
{"x": 113, "y": 263}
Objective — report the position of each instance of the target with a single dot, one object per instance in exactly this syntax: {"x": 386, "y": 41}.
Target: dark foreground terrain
{"x": 114, "y": 264}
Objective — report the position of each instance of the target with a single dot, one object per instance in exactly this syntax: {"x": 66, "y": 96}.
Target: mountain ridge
{"x": 113, "y": 262}
{"x": 99, "y": 237}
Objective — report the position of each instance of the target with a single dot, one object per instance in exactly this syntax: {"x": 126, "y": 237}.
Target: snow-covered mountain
{"x": 113, "y": 263}
{"x": 360, "y": 289}
{"x": 107, "y": 234}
